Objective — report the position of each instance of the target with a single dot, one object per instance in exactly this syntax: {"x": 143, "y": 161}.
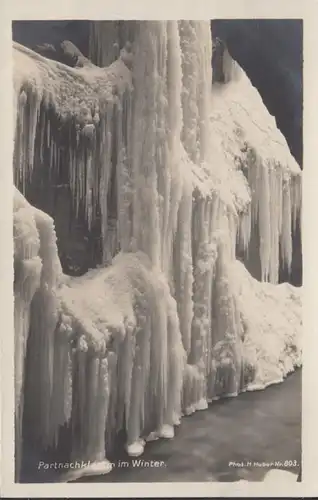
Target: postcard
{"x": 158, "y": 260}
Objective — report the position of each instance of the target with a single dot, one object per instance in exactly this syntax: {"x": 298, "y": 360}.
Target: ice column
{"x": 44, "y": 318}
{"x": 155, "y": 144}
{"x": 194, "y": 293}
{"x": 27, "y": 272}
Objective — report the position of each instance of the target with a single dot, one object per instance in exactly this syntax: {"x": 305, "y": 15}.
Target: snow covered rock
{"x": 271, "y": 317}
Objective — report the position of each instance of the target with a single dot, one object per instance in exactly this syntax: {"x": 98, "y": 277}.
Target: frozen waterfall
{"x": 175, "y": 172}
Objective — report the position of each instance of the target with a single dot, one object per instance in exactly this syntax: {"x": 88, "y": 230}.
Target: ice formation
{"x": 177, "y": 173}
{"x": 250, "y": 138}
{"x": 37, "y": 272}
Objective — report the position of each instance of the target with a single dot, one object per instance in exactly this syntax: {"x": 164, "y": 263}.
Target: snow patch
{"x": 271, "y": 317}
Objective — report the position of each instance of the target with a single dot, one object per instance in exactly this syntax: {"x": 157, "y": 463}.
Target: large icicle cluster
{"x": 27, "y": 271}
{"x": 37, "y": 271}
{"x": 163, "y": 327}
{"x": 66, "y": 126}
{"x": 250, "y": 137}
{"x": 131, "y": 351}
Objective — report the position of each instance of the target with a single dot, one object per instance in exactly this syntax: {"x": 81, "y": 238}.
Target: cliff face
{"x": 170, "y": 177}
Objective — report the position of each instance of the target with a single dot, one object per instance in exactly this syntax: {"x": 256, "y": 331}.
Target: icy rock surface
{"x": 175, "y": 174}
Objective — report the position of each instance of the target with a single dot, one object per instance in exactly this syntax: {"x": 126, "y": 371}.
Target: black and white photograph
{"x": 157, "y": 250}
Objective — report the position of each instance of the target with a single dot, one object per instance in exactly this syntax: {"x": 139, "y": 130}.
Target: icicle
{"x": 125, "y": 365}
{"x": 79, "y": 442}
{"x": 204, "y": 88}
{"x": 296, "y": 197}
{"x": 103, "y": 394}
{"x": 91, "y": 415}
{"x": 124, "y": 182}
{"x": 264, "y": 220}
{"x": 244, "y": 229}
{"x": 226, "y": 369}
{"x": 232, "y": 219}
{"x": 34, "y": 107}
{"x": 204, "y": 255}
{"x": 158, "y": 360}
{"x": 275, "y": 208}
{"x": 183, "y": 266}
{"x": 27, "y": 272}
{"x": 89, "y": 132}
{"x": 44, "y": 318}
{"x": 146, "y": 198}
{"x": 138, "y": 382}
{"x": 189, "y": 47}
{"x": 176, "y": 365}
{"x": 172, "y": 191}
{"x": 61, "y": 401}
{"x": 19, "y": 140}
{"x": 286, "y": 233}
{"x": 106, "y": 168}
{"x": 92, "y": 404}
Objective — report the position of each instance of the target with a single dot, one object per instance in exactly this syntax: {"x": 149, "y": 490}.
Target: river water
{"x": 234, "y": 439}
{"x": 238, "y": 438}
